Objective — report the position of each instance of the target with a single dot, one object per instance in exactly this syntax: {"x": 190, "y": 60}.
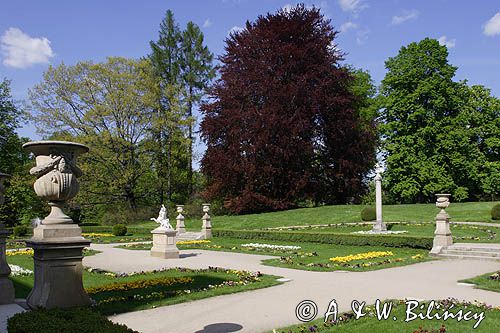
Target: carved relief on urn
{"x": 57, "y": 174}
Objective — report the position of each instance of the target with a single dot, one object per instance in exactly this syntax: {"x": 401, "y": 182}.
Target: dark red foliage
{"x": 280, "y": 127}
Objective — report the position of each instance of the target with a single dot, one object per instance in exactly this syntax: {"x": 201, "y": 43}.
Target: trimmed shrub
{"x": 109, "y": 229}
{"x": 119, "y": 230}
{"x": 495, "y": 212}
{"x": 368, "y": 214}
{"x": 81, "y": 320}
{"x": 20, "y": 231}
{"x": 329, "y": 238}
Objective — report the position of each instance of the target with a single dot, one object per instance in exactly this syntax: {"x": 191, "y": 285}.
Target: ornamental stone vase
{"x": 180, "y": 226}
{"x": 6, "y": 286}
{"x": 442, "y": 235}
{"x": 57, "y": 242}
{"x": 57, "y": 174}
{"x": 206, "y": 229}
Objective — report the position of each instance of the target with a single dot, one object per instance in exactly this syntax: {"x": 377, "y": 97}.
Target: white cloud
{"x": 351, "y": 5}
{"x": 492, "y": 27}
{"x": 287, "y": 8}
{"x": 449, "y": 43}
{"x": 405, "y": 16}
{"x": 362, "y": 36}
{"x": 234, "y": 29}
{"x": 207, "y": 23}
{"x": 22, "y": 51}
{"x": 348, "y": 26}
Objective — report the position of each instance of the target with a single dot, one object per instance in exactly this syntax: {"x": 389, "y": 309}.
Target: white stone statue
{"x": 162, "y": 219}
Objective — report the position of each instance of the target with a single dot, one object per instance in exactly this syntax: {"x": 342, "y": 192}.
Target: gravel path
{"x": 262, "y": 310}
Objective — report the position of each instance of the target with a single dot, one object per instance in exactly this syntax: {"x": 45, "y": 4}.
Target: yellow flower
{"x": 359, "y": 256}
{"x": 140, "y": 284}
{"x": 19, "y": 252}
{"x": 192, "y": 242}
{"x": 95, "y": 234}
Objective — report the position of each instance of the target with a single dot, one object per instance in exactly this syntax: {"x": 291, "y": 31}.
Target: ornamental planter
{"x": 57, "y": 242}
{"x": 442, "y": 235}
{"x": 206, "y": 229}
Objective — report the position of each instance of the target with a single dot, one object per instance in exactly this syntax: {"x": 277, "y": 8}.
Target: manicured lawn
{"x": 312, "y": 256}
{"x": 461, "y": 233}
{"x": 490, "y": 281}
{"x": 119, "y": 293}
{"x": 370, "y": 323}
{"x": 463, "y": 212}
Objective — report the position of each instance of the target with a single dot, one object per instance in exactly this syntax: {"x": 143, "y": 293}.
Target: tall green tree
{"x": 109, "y": 107}
{"x": 171, "y": 152}
{"x": 197, "y": 72}
{"x": 427, "y": 132}
{"x": 21, "y": 203}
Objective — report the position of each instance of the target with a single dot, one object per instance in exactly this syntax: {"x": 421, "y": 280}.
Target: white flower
{"x": 272, "y": 247}
{"x": 18, "y": 271}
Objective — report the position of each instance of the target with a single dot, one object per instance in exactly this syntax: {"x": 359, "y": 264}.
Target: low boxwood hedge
{"x": 77, "y": 320}
{"x": 109, "y": 229}
{"x": 329, "y": 238}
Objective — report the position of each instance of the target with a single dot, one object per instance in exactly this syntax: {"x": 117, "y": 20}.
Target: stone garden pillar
{"x": 442, "y": 235}
{"x": 379, "y": 226}
{"x": 6, "y": 286}
{"x": 206, "y": 228}
{"x": 180, "y": 227}
{"x": 57, "y": 242}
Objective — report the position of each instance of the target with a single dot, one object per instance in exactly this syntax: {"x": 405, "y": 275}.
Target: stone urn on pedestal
{"x": 442, "y": 235}
{"x": 6, "y": 286}
{"x": 206, "y": 228}
{"x": 180, "y": 227}
{"x": 57, "y": 242}
{"x": 164, "y": 237}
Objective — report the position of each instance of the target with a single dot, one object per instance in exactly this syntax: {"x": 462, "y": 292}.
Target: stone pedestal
{"x": 164, "y": 243}
{"x": 379, "y": 226}
{"x": 58, "y": 254}
{"x": 442, "y": 235}
{"x": 206, "y": 228}
{"x": 180, "y": 227}
{"x": 6, "y": 287}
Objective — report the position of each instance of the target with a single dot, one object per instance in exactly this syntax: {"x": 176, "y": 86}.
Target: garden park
{"x": 322, "y": 204}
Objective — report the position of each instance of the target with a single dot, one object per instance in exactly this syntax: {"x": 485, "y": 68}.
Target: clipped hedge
{"x": 368, "y": 214}
{"x": 329, "y": 238}
{"x": 109, "y": 229}
{"x": 495, "y": 212}
{"x": 119, "y": 230}
{"x": 77, "y": 320}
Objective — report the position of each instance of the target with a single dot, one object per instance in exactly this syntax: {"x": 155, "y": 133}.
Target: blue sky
{"x": 35, "y": 33}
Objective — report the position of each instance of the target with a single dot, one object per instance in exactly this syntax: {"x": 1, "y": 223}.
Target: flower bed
{"x": 361, "y": 256}
{"x": 271, "y": 247}
{"x": 19, "y": 252}
{"x": 140, "y": 284}
{"x": 194, "y": 242}
{"x": 96, "y": 234}
{"x": 19, "y": 271}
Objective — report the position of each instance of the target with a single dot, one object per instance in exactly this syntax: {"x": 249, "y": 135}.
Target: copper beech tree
{"x": 282, "y": 124}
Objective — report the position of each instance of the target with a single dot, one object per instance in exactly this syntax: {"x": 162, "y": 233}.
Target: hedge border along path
{"x": 330, "y": 238}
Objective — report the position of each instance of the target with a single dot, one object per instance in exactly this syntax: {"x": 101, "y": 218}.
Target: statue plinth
{"x": 164, "y": 243}
{"x": 57, "y": 242}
